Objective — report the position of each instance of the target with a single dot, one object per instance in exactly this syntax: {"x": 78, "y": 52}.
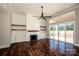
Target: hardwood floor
{"x": 44, "y": 47}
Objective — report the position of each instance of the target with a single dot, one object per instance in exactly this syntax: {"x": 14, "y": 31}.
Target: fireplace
{"x": 33, "y": 37}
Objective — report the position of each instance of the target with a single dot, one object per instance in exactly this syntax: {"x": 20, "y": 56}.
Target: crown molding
{"x": 72, "y": 8}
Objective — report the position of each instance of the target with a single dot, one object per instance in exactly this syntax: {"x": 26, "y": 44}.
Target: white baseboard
{"x": 4, "y": 46}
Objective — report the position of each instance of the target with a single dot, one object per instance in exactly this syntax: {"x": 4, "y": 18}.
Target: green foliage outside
{"x": 52, "y": 28}
{"x": 70, "y": 27}
{"x": 61, "y": 28}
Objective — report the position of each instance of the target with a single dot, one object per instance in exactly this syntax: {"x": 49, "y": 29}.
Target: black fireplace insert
{"x": 33, "y": 37}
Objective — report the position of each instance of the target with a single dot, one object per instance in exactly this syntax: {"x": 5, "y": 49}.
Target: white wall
{"x": 7, "y": 37}
{"x": 4, "y": 29}
{"x": 19, "y": 19}
{"x": 32, "y": 24}
{"x": 76, "y": 41}
{"x": 42, "y": 33}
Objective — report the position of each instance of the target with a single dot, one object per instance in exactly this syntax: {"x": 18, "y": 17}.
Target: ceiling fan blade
{"x": 44, "y": 18}
{"x": 48, "y": 16}
{"x": 39, "y": 18}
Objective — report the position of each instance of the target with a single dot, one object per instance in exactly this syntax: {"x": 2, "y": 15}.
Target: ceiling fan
{"x": 42, "y": 15}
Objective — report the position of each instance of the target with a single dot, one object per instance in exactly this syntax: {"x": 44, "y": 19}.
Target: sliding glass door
{"x": 62, "y": 35}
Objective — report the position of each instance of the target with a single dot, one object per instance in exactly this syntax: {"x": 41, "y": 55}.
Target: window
{"x": 61, "y": 27}
{"x": 69, "y": 32}
{"x": 52, "y": 28}
{"x": 70, "y": 27}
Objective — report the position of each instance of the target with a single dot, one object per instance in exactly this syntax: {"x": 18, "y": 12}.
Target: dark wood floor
{"x": 44, "y": 47}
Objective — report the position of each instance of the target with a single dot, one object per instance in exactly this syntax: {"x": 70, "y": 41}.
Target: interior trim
{"x": 33, "y": 30}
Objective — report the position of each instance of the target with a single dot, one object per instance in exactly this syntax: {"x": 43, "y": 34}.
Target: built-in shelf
{"x": 18, "y": 25}
{"x": 43, "y": 26}
{"x": 33, "y": 30}
{"x": 18, "y": 29}
{"x": 43, "y": 29}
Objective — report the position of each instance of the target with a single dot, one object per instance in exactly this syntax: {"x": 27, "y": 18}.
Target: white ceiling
{"x": 3, "y": 8}
{"x": 35, "y": 8}
{"x": 64, "y": 17}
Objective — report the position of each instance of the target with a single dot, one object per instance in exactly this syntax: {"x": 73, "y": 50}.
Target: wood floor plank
{"x": 37, "y": 48}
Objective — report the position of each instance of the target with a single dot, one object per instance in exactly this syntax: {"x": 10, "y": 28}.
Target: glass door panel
{"x": 69, "y": 33}
{"x": 61, "y": 29}
{"x": 55, "y": 36}
{"x": 51, "y": 30}
{"x": 56, "y": 32}
{"x": 69, "y": 36}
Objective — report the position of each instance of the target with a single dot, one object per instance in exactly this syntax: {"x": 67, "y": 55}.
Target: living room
{"x": 39, "y": 29}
